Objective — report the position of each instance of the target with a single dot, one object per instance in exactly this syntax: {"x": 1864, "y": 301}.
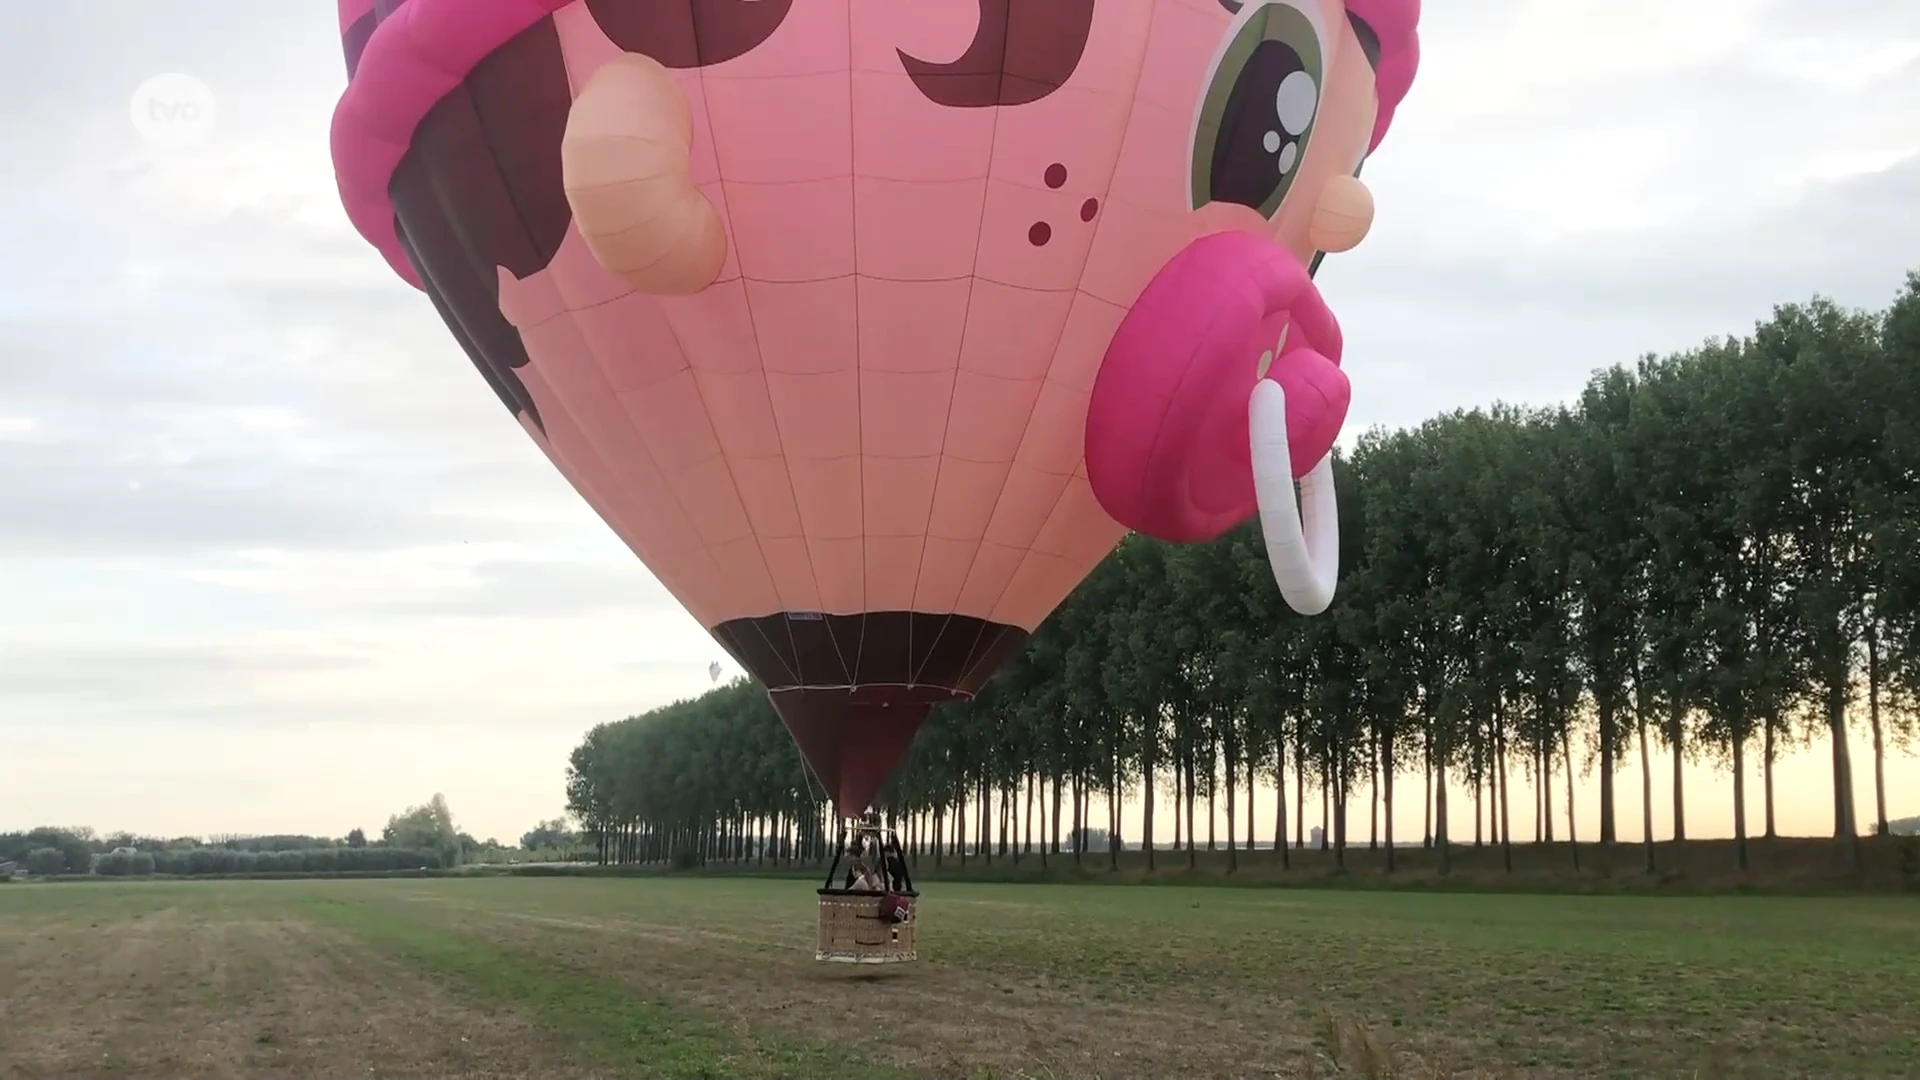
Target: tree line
{"x": 422, "y": 837}
{"x": 1709, "y": 555}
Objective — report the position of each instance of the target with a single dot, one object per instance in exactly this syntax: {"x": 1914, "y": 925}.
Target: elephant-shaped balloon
{"x": 871, "y": 326}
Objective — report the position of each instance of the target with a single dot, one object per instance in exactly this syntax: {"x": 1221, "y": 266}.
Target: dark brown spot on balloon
{"x": 689, "y": 33}
{"x": 1040, "y": 233}
{"x": 1023, "y": 51}
{"x": 1088, "y": 209}
{"x": 1056, "y": 175}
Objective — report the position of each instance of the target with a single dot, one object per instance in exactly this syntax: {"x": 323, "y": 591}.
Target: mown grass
{"x": 638, "y": 1036}
{"x": 708, "y": 977}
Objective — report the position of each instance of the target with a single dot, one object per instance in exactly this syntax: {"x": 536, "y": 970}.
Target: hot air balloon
{"x": 871, "y": 326}
{"x": 713, "y": 671}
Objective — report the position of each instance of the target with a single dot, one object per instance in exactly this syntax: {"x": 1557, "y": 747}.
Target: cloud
{"x": 1573, "y": 183}
{"x": 521, "y": 588}
{"x": 41, "y": 669}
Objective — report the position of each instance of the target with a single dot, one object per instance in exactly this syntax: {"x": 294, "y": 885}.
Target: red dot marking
{"x": 1056, "y": 175}
{"x": 1040, "y": 233}
{"x": 1088, "y": 209}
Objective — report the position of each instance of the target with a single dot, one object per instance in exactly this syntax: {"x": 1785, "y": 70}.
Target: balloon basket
{"x": 863, "y": 928}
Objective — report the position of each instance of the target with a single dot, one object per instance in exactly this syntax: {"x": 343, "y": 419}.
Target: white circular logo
{"x": 173, "y": 110}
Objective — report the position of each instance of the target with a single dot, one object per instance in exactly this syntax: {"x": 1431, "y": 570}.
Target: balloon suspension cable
{"x": 839, "y": 848}
{"x": 814, "y": 786}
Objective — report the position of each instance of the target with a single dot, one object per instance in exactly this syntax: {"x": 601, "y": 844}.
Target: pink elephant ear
{"x": 1167, "y": 439}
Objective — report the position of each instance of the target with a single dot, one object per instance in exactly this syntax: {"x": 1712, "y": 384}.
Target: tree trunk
{"x": 1609, "y": 753}
{"x": 1213, "y": 785}
{"x": 1846, "y": 826}
{"x": 1546, "y": 786}
{"x": 1440, "y": 811}
{"x": 1646, "y": 796}
{"x": 1188, "y": 796}
{"x": 1006, "y": 820}
{"x": 1504, "y": 796}
{"x": 1339, "y": 823}
{"x": 1373, "y": 794}
{"x": 1880, "y": 824}
{"x": 1326, "y": 802}
{"x": 1232, "y": 762}
{"x": 1386, "y": 792}
{"x": 1086, "y": 814}
{"x": 1179, "y": 800}
{"x": 1147, "y": 799}
{"x": 1740, "y": 798}
{"x": 1480, "y": 782}
{"x": 1426, "y": 795}
{"x": 1280, "y": 797}
{"x": 1677, "y": 737}
{"x": 1299, "y": 790}
{"x": 1026, "y": 820}
{"x": 1573, "y": 827}
{"x": 986, "y": 821}
{"x": 1766, "y": 773}
{"x": 1113, "y": 810}
{"x": 960, "y": 837}
{"x": 1078, "y": 838}
{"x": 1054, "y": 842}
{"x": 1537, "y": 771}
{"x": 1250, "y": 757}
{"x": 1193, "y": 858}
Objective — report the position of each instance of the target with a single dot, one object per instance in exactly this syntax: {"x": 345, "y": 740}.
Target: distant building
{"x": 1316, "y": 836}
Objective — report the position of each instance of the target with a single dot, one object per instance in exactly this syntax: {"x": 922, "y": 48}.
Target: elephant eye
{"x": 1257, "y": 114}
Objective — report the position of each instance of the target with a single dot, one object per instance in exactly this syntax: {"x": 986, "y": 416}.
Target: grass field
{"x": 689, "y": 977}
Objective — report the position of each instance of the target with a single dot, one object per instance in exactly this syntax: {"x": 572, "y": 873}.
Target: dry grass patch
{"x": 200, "y": 989}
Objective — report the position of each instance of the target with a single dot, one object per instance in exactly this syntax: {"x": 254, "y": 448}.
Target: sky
{"x": 273, "y": 558}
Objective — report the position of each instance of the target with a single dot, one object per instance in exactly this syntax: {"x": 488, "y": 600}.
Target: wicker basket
{"x": 855, "y": 930}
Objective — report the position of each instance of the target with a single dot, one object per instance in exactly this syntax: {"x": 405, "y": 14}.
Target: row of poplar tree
{"x": 1708, "y": 556}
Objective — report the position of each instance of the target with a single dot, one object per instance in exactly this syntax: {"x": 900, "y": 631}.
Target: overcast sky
{"x": 273, "y": 558}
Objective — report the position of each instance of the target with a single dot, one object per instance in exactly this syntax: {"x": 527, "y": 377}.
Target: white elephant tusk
{"x": 1306, "y": 560}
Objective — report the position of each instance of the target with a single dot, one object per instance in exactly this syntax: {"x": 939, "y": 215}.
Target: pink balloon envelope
{"x": 869, "y": 326}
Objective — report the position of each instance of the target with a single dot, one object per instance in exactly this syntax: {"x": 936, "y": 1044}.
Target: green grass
{"x": 642, "y": 1038}
{"x": 691, "y": 977}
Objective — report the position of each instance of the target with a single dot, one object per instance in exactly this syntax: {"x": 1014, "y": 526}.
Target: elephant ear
{"x": 1166, "y": 445}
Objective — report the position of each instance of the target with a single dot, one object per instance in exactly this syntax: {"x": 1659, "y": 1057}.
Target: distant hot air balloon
{"x": 871, "y": 327}
{"x": 713, "y": 671}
